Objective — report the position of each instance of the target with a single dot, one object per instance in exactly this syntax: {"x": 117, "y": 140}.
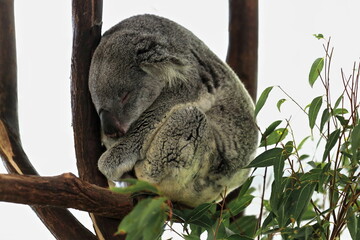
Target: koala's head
{"x": 128, "y": 72}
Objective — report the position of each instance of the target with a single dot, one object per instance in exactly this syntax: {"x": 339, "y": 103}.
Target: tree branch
{"x": 60, "y": 222}
{"x": 66, "y": 191}
{"x": 243, "y": 42}
{"x": 87, "y": 22}
{"x": 8, "y": 67}
{"x": 243, "y": 48}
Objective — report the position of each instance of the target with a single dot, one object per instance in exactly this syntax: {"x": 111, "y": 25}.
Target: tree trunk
{"x": 87, "y": 22}
{"x": 243, "y": 42}
{"x": 60, "y": 222}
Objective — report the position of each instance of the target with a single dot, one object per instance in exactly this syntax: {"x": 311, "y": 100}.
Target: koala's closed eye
{"x": 171, "y": 111}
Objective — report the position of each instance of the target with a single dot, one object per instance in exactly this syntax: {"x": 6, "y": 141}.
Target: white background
{"x": 44, "y": 36}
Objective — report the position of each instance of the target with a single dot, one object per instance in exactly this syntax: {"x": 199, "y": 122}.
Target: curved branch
{"x": 61, "y": 223}
{"x": 65, "y": 191}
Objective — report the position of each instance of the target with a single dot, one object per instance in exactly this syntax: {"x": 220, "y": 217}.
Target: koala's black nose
{"x": 110, "y": 125}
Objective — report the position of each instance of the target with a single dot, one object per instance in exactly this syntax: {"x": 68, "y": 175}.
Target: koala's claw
{"x": 114, "y": 164}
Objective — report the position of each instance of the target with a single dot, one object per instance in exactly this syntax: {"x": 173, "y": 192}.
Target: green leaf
{"x": 302, "y": 142}
{"x": 324, "y": 118}
{"x": 338, "y": 101}
{"x": 278, "y": 174}
{"x": 245, "y": 187}
{"x": 344, "y": 122}
{"x": 262, "y": 99}
{"x": 315, "y": 70}
{"x": 146, "y": 220}
{"x": 355, "y": 140}
{"x": 238, "y": 205}
{"x": 239, "y": 237}
{"x": 275, "y": 137}
{"x": 198, "y": 212}
{"x": 279, "y": 103}
{"x": 247, "y": 224}
{"x": 270, "y": 129}
{"x": 268, "y": 220}
{"x": 330, "y": 143}
{"x": 298, "y": 201}
{"x": 339, "y": 111}
{"x": 191, "y": 237}
{"x": 319, "y": 36}
{"x": 353, "y": 223}
{"x": 324, "y": 176}
{"x": 303, "y": 156}
{"x": 266, "y": 158}
{"x": 136, "y": 186}
{"x": 314, "y": 110}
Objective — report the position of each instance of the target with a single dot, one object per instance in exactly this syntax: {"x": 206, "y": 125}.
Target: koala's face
{"x": 120, "y": 89}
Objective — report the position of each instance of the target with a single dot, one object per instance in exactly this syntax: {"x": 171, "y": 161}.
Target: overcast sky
{"x": 44, "y": 36}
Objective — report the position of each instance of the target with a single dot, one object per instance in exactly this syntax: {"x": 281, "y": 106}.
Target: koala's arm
{"x": 123, "y": 154}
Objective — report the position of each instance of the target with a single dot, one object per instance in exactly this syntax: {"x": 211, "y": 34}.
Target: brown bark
{"x": 243, "y": 42}
{"x": 66, "y": 191}
{"x": 242, "y": 55}
{"x": 59, "y": 221}
{"x": 8, "y": 67}
{"x": 87, "y": 32}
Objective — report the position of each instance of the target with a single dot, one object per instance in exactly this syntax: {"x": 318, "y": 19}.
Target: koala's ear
{"x": 154, "y": 57}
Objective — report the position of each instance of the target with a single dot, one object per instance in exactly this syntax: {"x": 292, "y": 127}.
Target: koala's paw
{"x": 114, "y": 163}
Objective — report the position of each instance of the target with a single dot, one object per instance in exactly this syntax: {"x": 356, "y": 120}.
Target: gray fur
{"x": 187, "y": 123}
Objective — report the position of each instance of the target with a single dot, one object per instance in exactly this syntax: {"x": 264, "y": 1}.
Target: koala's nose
{"x": 110, "y": 125}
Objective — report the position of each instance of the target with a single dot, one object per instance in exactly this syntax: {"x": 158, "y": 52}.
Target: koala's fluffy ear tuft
{"x": 154, "y": 57}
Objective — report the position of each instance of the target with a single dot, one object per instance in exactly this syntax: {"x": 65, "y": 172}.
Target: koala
{"x": 172, "y": 113}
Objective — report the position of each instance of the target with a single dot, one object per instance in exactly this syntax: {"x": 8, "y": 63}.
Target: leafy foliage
{"x": 300, "y": 182}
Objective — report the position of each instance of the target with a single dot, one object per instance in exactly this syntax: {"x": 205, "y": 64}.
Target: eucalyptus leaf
{"x": 314, "y": 110}
{"x": 324, "y": 118}
{"x": 198, "y": 212}
{"x": 145, "y": 221}
{"x": 355, "y": 140}
{"x": 262, "y": 99}
{"x": 338, "y": 101}
{"x": 266, "y": 158}
{"x": 353, "y": 219}
{"x": 302, "y": 143}
{"x": 270, "y": 129}
{"x": 315, "y": 70}
{"x": 340, "y": 111}
{"x": 275, "y": 137}
{"x": 238, "y": 205}
{"x": 330, "y": 143}
{"x": 245, "y": 187}
{"x": 279, "y": 103}
{"x": 298, "y": 201}
{"x": 191, "y": 237}
{"x": 319, "y": 36}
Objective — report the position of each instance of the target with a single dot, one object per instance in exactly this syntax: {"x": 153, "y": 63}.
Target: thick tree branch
{"x": 242, "y": 55}
{"x": 59, "y": 221}
{"x": 65, "y": 191}
{"x": 86, "y": 36}
{"x": 243, "y": 42}
{"x": 8, "y": 67}
{"x": 87, "y": 17}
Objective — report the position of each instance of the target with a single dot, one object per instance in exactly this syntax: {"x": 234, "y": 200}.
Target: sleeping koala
{"x": 171, "y": 111}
